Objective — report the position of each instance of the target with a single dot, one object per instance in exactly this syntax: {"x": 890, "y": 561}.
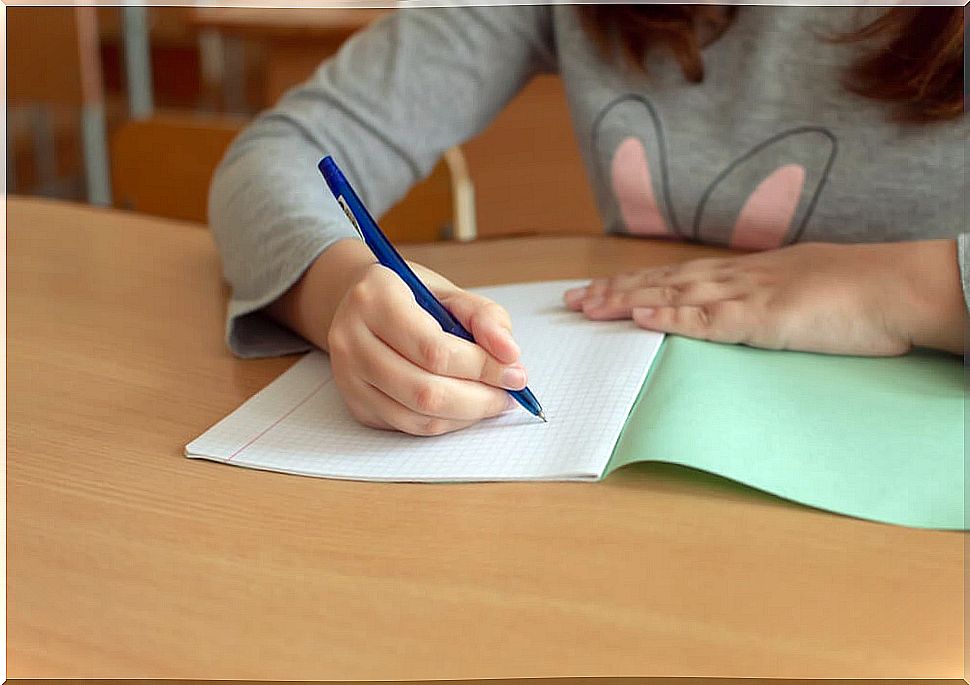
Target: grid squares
{"x": 586, "y": 375}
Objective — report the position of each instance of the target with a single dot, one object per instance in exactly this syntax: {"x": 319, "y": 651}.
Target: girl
{"x": 831, "y": 141}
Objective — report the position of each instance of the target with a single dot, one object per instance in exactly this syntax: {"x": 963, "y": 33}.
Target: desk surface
{"x": 127, "y": 560}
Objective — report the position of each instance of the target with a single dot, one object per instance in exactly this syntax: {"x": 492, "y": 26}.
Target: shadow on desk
{"x": 674, "y": 477}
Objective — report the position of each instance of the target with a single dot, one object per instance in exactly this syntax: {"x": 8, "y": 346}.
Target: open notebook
{"x": 586, "y": 377}
{"x": 876, "y": 438}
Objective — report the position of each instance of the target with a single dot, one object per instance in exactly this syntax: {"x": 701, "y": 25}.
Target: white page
{"x": 585, "y": 374}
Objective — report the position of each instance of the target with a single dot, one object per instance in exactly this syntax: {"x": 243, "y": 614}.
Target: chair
{"x": 53, "y": 62}
{"x": 185, "y": 149}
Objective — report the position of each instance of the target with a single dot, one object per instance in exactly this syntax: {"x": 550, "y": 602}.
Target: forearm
{"x": 934, "y": 313}
{"x": 309, "y": 306}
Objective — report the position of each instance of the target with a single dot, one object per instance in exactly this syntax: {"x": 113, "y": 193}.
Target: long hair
{"x": 909, "y": 57}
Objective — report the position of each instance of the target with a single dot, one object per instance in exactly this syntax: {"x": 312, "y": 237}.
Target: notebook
{"x": 880, "y": 439}
{"x": 586, "y": 377}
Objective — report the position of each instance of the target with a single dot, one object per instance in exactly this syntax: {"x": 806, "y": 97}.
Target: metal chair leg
{"x": 95, "y": 149}
{"x": 138, "y": 65}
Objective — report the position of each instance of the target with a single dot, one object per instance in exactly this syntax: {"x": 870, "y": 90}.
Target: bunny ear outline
{"x": 631, "y": 160}
{"x": 771, "y": 190}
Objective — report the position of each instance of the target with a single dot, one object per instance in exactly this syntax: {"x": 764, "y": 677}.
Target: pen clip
{"x": 350, "y": 215}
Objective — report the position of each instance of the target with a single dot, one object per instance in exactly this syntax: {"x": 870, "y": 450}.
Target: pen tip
{"x": 542, "y": 415}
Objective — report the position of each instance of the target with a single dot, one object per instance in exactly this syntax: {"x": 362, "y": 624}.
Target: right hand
{"x": 397, "y": 369}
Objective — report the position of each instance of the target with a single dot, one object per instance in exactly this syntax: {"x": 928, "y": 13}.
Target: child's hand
{"x": 870, "y": 299}
{"x": 397, "y": 369}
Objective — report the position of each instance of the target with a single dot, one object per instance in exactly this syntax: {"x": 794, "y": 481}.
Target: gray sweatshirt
{"x": 768, "y": 150}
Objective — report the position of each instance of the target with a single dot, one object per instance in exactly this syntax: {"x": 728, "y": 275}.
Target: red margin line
{"x": 279, "y": 420}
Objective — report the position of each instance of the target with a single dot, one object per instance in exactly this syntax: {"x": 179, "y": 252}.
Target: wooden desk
{"x": 127, "y": 560}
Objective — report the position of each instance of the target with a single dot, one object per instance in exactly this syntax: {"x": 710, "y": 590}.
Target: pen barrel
{"x": 458, "y": 330}
{"x": 527, "y": 400}
{"x": 523, "y": 396}
{"x": 382, "y": 248}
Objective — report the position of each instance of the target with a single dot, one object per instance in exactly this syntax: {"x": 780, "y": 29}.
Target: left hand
{"x": 863, "y": 299}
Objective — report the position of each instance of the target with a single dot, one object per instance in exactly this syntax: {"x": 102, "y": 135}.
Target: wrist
{"x": 309, "y": 305}
{"x": 935, "y": 314}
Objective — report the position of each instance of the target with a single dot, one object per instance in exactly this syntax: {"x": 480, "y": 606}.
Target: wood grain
{"x": 126, "y": 560}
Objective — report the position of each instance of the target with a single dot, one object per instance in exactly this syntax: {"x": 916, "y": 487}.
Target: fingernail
{"x": 575, "y": 294}
{"x": 513, "y": 378}
{"x": 594, "y": 303}
{"x": 644, "y": 312}
{"x": 510, "y": 403}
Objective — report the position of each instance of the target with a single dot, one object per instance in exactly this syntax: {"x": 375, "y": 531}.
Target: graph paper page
{"x": 585, "y": 374}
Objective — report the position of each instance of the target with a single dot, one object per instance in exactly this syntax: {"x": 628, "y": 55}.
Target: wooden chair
{"x": 162, "y": 165}
{"x": 53, "y": 62}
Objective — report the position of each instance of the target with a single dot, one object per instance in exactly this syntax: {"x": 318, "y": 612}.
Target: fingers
{"x": 373, "y": 408}
{"x": 620, "y": 304}
{"x": 727, "y": 322}
{"x": 397, "y": 320}
{"x": 397, "y": 370}
{"x": 414, "y": 387}
{"x": 414, "y": 335}
{"x": 574, "y": 298}
{"x": 488, "y": 323}
{"x": 696, "y": 282}
{"x": 598, "y": 288}
{"x": 420, "y": 392}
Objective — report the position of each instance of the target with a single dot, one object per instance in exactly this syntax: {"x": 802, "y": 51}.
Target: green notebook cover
{"x": 874, "y": 438}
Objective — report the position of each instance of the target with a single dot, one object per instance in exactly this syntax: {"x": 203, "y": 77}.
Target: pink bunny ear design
{"x": 631, "y": 167}
{"x": 766, "y": 216}
{"x": 761, "y": 200}
{"x": 765, "y": 197}
{"x": 633, "y": 189}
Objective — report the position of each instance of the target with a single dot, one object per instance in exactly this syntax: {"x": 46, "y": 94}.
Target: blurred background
{"x": 133, "y": 106}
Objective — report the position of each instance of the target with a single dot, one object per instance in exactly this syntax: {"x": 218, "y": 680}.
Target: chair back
{"x": 163, "y": 166}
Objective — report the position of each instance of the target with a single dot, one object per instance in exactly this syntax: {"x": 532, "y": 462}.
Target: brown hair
{"x": 911, "y": 56}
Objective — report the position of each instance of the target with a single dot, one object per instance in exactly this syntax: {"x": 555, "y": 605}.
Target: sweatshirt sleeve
{"x": 963, "y": 256}
{"x": 395, "y": 97}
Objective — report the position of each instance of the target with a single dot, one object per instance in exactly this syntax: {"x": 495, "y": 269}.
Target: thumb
{"x": 487, "y": 321}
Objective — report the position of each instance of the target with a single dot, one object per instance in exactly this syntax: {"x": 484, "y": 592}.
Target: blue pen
{"x": 378, "y": 243}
